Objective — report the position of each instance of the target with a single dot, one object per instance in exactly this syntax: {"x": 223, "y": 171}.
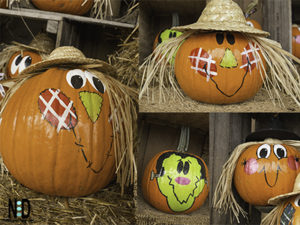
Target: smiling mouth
{"x": 222, "y": 92}
{"x": 266, "y": 178}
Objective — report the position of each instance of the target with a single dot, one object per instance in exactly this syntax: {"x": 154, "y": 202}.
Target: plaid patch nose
{"x": 203, "y": 63}
{"x": 249, "y": 58}
{"x": 57, "y": 109}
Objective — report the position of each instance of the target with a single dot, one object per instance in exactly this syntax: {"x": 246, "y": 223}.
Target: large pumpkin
{"x": 218, "y": 67}
{"x": 56, "y": 134}
{"x": 290, "y": 213}
{"x": 175, "y": 182}
{"x": 264, "y": 171}
{"x": 296, "y": 41}
{"x": 78, "y": 7}
{"x": 21, "y": 60}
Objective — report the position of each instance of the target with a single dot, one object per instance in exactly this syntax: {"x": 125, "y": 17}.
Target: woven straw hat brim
{"x": 43, "y": 65}
{"x": 222, "y": 26}
{"x": 276, "y": 200}
{"x": 31, "y": 48}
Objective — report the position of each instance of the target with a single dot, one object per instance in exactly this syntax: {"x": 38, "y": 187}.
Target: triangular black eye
{"x": 174, "y": 34}
{"x": 230, "y": 38}
{"x": 170, "y": 34}
{"x": 179, "y": 166}
{"x": 18, "y": 60}
{"x": 186, "y": 168}
{"x": 220, "y": 38}
{"x": 28, "y": 61}
{"x": 98, "y": 84}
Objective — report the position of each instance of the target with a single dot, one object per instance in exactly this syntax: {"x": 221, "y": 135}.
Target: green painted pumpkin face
{"x": 182, "y": 180}
{"x": 175, "y": 182}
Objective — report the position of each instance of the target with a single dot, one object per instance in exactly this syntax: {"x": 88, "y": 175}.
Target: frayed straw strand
{"x": 273, "y": 217}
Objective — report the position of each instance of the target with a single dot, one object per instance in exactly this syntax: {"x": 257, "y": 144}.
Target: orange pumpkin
{"x": 264, "y": 171}
{"x": 78, "y": 7}
{"x": 175, "y": 182}
{"x": 254, "y": 23}
{"x": 296, "y": 41}
{"x": 218, "y": 67}
{"x": 21, "y": 60}
{"x": 290, "y": 213}
{"x": 56, "y": 134}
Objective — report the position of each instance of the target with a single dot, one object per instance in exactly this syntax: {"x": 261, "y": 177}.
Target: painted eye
{"x": 263, "y": 151}
{"x": 280, "y": 151}
{"x": 179, "y": 166}
{"x": 76, "y": 78}
{"x": 297, "y": 201}
{"x": 15, "y": 63}
{"x": 230, "y": 38}
{"x": 220, "y": 38}
{"x": 95, "y": 82}
{"x": 26, "y": 61}
{"x": 186, "y": 168}
{"x": 250, "y": 23}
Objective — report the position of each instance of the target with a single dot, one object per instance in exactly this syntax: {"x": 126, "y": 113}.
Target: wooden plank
{"x": 278, "y": 21}
{"x": 227, "y": 130}
{"x": 40, "y": 14}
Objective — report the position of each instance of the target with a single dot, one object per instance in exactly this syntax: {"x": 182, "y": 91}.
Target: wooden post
{"x": 278, "y": 21}
{"x": 227, "y": 130}
{"x": 67, "y": 34}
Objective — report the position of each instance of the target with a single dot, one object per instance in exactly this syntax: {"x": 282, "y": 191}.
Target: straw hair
{"x": 225, "y": 15}
{"x": 279, "y": 76}
{"x": 123, "y": 116}
{"x": 41, "y": 43}
{"x": 224, "y": 200}
{"x": 273, "y": 217}
{"x": 296, "y": 191}
{"x": 67, "y": 55}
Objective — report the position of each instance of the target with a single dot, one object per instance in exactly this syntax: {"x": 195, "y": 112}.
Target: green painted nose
{"x": 92, "y": 103}
{"x": 229, "y": 60}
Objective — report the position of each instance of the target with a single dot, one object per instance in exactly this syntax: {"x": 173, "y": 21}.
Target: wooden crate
{"x": 96, "y": 38}
{"x": 160, "y": 132}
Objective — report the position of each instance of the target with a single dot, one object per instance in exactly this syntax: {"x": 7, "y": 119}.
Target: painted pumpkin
{"x": 78, "y": 7}
{"x": 175, "y": 182}
{"x": 218, "y": 67}
{"x": 290, "y": 213}
{"x": 56, "y": 134}
{"x": 296, "y": 41}
{"x": 21, "y": 60}
{"x": 254, "y": 23}
{"x": 264, "y": 171}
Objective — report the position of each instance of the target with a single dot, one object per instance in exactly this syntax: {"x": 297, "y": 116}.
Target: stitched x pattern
{"x": 203, "y": 63}
{"x": 57, "y": 109}
{"x": 249, "y": 57}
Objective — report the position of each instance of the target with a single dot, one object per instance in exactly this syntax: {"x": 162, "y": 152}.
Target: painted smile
{"x": 266, "y": 178}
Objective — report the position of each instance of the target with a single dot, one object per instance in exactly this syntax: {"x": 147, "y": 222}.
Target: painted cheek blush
{"x": 251, "y": 166}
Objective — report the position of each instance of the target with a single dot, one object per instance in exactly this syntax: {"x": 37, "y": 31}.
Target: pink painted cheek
{"x": 297, "y": 39}
{"x": 251, "y": 166}
{"x": 293, "y": 164}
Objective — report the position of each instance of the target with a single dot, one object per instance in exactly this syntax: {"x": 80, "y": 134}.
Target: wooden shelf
{"x": 45, "y": 15}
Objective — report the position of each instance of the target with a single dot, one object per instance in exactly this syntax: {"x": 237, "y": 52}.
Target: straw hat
{"x": 222, "y": 15}
{"x": 68, "y": 55}
{"x": 40, "y": 43}
{"x": 296, "y": 191}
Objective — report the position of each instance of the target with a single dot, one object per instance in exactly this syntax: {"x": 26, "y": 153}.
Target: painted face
{"x": 253, "y": 23}
{"x": 164, "y": 36}
{"x": 291, "y": 211}
{"x": 218, "y": 68}
{"x": 18, "y": 62}
{"x": 182, "y": 180}
{"x": 264, "y": 171}
{"x": 67, "y": 113}
{"x": 296, "y": 41}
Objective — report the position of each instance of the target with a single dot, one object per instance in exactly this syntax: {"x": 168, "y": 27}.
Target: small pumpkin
{"x": 175, "y": 182}
{"x": 78, "y": 7}
{"x": 254, "y": 23}
{"x": 56, "y": 134}
{"x": 296, "y": 41}
{"x": 266, "y": 170}
{"x": 21, "y": 60}
{"x": 218, "y": 67}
